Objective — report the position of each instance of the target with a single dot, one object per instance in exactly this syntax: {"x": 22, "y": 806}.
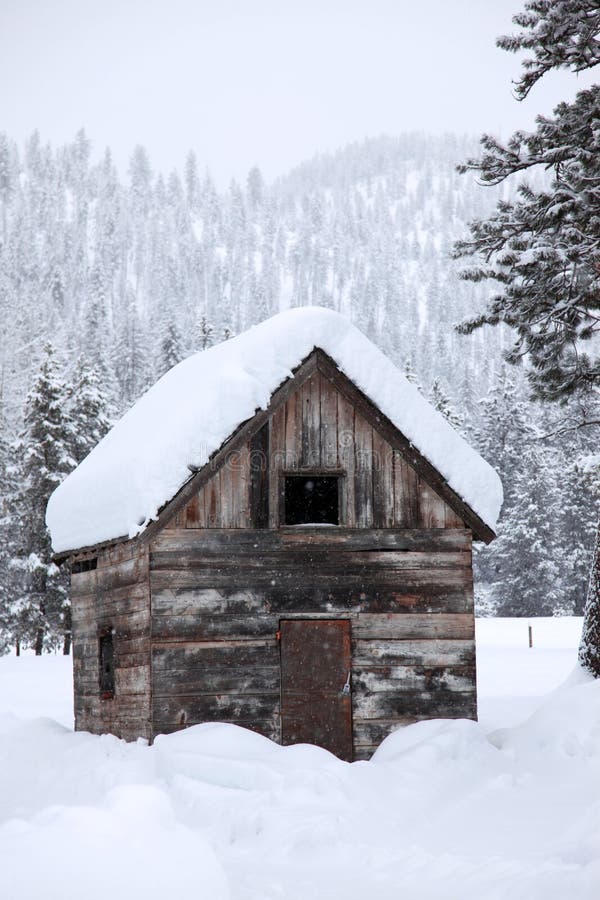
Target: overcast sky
{"x": 258, "y": 82}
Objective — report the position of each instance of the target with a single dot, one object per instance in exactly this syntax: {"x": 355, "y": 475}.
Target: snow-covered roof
{"x": 179, "y": 422}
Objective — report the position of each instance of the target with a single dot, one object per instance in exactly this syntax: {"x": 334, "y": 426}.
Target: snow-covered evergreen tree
{"x": 44, "y": 458}
{"x": 205, "y": 333}
{"x": 88, "y": 410}
{"x": 171, "y": 350}
{"x": 589, "y": 648}
{"x": 440, "y": 400}
{"x": 8, "y": 546}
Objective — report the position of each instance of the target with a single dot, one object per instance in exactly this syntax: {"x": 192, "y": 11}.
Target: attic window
{"x": 106, "y": 664}
{"x": 311, "y": 500}
{"x": 84, "y": 565}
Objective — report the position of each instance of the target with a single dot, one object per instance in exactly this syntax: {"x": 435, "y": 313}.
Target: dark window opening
{"x": 84, "y": 565}
{"x": 311, "y": 500}
{"x": 106, "y": 664}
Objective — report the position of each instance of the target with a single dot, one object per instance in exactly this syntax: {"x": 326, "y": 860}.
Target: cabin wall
{"x": 197, "y": 611}
{"x": 114, "y": 596}
{"x": 218, "y": 598}
{"x": 318, "y": 429}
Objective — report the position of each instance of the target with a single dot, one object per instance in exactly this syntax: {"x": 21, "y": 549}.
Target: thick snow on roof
{"x": 144, "y": 460}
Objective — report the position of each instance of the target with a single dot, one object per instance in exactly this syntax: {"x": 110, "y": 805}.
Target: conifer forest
{"x": 108, "y": 279}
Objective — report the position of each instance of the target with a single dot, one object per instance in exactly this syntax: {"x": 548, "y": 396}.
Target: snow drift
{"x": 445, "y": 810}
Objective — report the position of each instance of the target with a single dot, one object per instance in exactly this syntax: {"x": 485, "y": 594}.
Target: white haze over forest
{"x": 130, "y": 275}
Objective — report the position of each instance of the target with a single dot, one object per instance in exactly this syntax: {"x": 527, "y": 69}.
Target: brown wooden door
{"x": 315, "y": 665}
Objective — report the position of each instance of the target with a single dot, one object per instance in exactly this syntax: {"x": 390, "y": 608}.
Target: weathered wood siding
{"x": 218, "y": 597}
{"x": 115, "y": 595}
{"x": 318, "y": 429}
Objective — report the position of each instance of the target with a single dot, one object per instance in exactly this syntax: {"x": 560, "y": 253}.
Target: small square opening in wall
{"x": 311, "y": 500}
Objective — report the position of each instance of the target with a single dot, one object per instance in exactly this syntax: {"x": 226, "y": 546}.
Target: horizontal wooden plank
{"x": 122, "y": 706}
{"x": 413, "y": 653}
{"x": 404, "y": 581}
{"x": 317, "y": 561}
{"x": 170, "y": 656}
{"x": 237, "y": 708}
{"x": 207, "y": 626}
{"x": 379, "y": 679}
{"x": 212, "y": 680}
{"x": 125, "y": 624}
{"x": 83, "y": 583}
{"x": 124, "y": 642}
{"x": 119, "y": 553}
{"x": 185, "y": 602}
{"x": 83, "y": 608}
{"x": 418, "y": 704}
{"x": 300, "y": 597}
{"x": 128, "y": 599}
{"x": 369, "y": 733}
{"x": 241, "y": 541}
{"x": 130, "y": 680}
{"x": 404, "y": 626}
{"x": 201, "y": 626}
{"x": 131, "y": 653}
{"x": 363, "y": 753}
{"x": 129, "y": 572}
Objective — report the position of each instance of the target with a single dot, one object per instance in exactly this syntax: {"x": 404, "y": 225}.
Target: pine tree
{"x": 8, "y": 576}
{"x": 88, "y": 410}
{"x": 206, "y": 333}
{"x": 542, "y": 249}
{"x": 576, "y": 524}
{"x": 255, "y": 188}
{"x": 506, "y": 431}
{"x": 589, "y": 648}
{"x": 410, "y": 374}
{"x": 44, "y": 459}
{"x": 526, "y": 555}
{"x": 170, "y": 351}
{"x": 130, "y": 352}
{"x": 192, "y": 182}
{"x": 440, "y": 400}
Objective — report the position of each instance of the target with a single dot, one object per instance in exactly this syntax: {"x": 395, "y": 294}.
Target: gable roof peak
{"x": 187, "y": 415}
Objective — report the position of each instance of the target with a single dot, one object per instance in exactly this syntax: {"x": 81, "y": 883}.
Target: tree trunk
{"x": 589, "y": 648}
{"x": 67, "y": 631}
{"x": 39, "y": 641}
{"x": 18, "y": 647}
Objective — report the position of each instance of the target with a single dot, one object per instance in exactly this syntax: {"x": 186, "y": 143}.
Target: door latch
{"x": 346, "y": 688}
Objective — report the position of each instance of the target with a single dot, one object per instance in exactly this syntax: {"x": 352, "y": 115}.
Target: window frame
{"x": 338, "y": 474}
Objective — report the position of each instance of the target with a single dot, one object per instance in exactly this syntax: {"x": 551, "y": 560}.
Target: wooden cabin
{"x": 311, "y": 580}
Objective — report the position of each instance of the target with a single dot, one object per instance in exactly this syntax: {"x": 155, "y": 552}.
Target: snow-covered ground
{"x": 446, "y": 810}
